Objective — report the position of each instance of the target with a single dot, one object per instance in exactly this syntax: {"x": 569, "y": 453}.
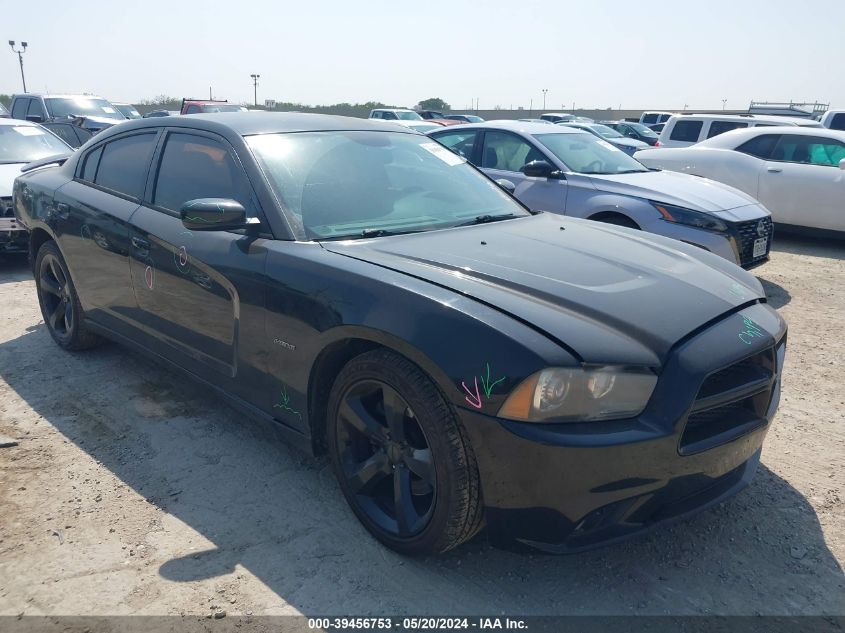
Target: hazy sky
{"x": 597, "y": 53}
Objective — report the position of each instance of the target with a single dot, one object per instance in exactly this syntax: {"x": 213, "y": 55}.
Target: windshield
{"x": 128, "y": 111}
{"x": 25, "y": 143}
{"x": 641, "y": 129}
{"x": 586, "y": 154}
{"x": 408, "y": 116}
{"x": 606, "y": 132}
{"x": 223, "y": 108}
{"x": 340, "y": 184}
{"x": 81, "y": 106}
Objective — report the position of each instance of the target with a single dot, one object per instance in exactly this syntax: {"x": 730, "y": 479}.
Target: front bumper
{"x": 568, "y": 487}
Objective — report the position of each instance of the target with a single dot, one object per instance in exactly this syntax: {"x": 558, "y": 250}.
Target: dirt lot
{"x": 133, "y": 491}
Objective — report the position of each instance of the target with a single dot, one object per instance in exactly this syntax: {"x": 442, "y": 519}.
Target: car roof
{"x": 397, "y": 110}
{"x": 524, "y": 127}
{"x": 48, "y": 95}
{"x": 733, "y": 138}
{"x": 261, "y": 122}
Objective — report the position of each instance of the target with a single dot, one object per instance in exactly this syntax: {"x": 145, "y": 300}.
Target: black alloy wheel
{"x": 401, "y": 455}
{"x": 386, "y": 458}
{"x": 56, "y": 301}
{"x": 59, "y": 302}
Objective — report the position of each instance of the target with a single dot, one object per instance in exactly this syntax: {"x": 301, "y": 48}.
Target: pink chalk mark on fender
{"x": 474, "y": 399}
{"x": 149, "y": 276}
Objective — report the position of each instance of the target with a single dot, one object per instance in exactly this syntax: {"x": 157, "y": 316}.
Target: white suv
{"x": 688, "y": 129}
{"x": 834, "y": 119}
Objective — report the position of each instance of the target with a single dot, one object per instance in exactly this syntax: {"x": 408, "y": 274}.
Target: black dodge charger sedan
{"x": 462, "y": 360}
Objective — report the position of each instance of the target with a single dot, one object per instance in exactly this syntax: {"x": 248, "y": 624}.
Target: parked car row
{"x": 463, "y": 359}
{"x": 576, "y": 172}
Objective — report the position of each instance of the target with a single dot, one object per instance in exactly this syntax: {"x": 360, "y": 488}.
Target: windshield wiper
{"x": 487, "y": 218}
{"x": 366, "y": 233}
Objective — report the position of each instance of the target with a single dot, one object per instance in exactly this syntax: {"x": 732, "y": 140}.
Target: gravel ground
{"x": 133, "y": 491}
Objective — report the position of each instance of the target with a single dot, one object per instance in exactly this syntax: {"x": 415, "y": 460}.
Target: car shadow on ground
{"x": 776, "y": 295}
{"x": 808, "y": 244}
{"x": 280, "y": 515}
{"x": 14, "y": 267}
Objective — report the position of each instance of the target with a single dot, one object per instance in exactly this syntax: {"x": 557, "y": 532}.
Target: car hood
{"x": 683, "y": 190}
{"x": 608, "y": 294}
{"x": 627, "y": 142}
{"x": 8, "y": 173}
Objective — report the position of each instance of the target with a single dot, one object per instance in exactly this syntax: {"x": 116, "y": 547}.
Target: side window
{"x": 389, "y": 115}
{"x": 19, "y": 109}
{"x": 809, "y": 150}
{"x": 192, "y": 109}
{"x": 649, "y": 119}
{"x": 64, "y": 132}
{"x": 198, "y": 167}
{"x": 123, "y": 164}
{"x": 376, "y": 115}
{"x": 459, "y": 142}
{"x": 838, "y": 121}
{"x": 663, "y": 118}
{"x": 720, "y": 127}
{"x": 686, "y": 130}
{"x": 35, "y": 109}
{"x": 507, "y": 152}
{"x": 89, "y": 169}
{"x": 760, "y": 147}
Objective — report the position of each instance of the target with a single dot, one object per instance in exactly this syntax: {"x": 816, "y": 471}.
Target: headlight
{"x": 699, "y": 220}
{"x": 562, "y": 394}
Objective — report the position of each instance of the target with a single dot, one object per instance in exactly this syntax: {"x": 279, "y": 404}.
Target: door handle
{"x": 62, "y": 210}
{"x": 140, "y": 244}
{"x": 774, "y": 170}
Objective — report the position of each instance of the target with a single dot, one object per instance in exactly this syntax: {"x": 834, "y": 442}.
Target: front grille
{"x": 6, "y": 210}
{"x": 731, "y": 402}
{"x": 746, "y": 233}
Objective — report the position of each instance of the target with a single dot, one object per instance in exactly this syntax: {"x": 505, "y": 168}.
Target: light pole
{"x": 20, "y": 59}
{"x": 724, "y": 102}
{"x": 545, "y": 90}
{"x": 255, "y": 88}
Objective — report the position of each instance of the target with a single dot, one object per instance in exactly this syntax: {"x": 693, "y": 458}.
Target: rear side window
{"x": 686, "y": 130}
{"x": 838, "y": 121}
{"x": 198, "y": 167}
{"x": 459, "y": 142}
{"x": 809, "y": 150}
{"x": 720, "y": 127}
{"x": 124, "y": 162}
{"x": 19, "y": 109}
{"x": 648, "y": 119}
{"x": 192, "y": 109}
{"x": 761, "y": 146}
{"x": 89, "y": 169}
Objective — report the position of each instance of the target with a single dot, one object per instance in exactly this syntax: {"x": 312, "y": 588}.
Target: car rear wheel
{"x": 59, "y": 302}
{"x": 401, "y": 456}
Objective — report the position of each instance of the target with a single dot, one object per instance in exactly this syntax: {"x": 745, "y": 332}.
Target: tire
{"x": 59, "y": 302}
{"x": 422, "y": 452}
{"x": 616, "y": 220}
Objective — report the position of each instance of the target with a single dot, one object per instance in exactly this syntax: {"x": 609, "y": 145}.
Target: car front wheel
{"x": 401, "y": 456}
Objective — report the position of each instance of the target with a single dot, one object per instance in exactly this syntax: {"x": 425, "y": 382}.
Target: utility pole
{"x": 255, "y": 88}
{"x": 545, "y": 90}
{"x": 20, "y": 59}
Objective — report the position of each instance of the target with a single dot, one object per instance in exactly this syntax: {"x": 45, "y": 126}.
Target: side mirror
{"x": 213, "y": 214}
{"x": 35, "y": 118}
{"x": 842, "y": 164}
{"x": 631, "y": 135}
{"x": 507, "y": 185}
{"x": 538, "y": 169}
